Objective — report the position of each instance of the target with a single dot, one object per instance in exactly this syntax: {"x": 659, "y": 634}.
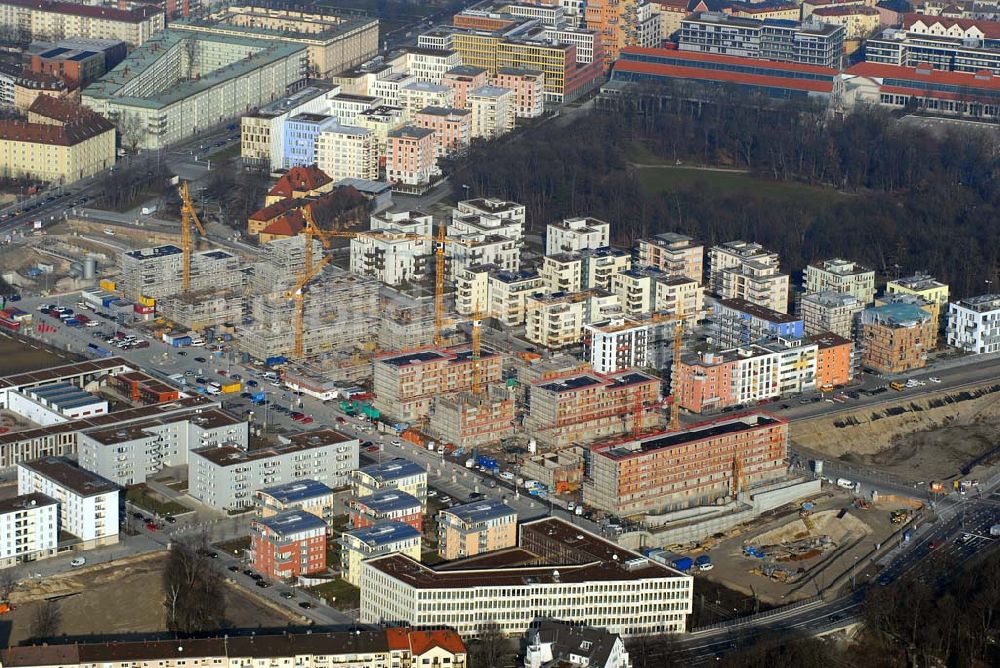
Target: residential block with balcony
{"x": 974, "y": 324}
{"x": 285, "y": 546}
{"x": 475, "y": 528}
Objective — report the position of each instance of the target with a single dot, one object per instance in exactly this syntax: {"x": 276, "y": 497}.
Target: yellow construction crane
{"x": 188, "y": 215}
{"x": 678, "y": 318}
{"x": 309, "y": 271}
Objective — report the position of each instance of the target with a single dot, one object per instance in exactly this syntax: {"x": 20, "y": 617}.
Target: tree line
{"x": 911, "y": 199}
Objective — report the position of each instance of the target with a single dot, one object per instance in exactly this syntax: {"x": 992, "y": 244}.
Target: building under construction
{"x": 407, "y": 383}
{"x": 407, "y": 323}
{"x": 585, "y": 407}
{"x": 202, "y": 308}
{"x": 159, "y": 271}
{"x": 470, "y": 419}
{"x": 340, "y": 313}
{"x": 281, "y": 263}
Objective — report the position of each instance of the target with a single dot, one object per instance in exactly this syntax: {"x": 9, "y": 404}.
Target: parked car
{"x": 263, "y": 584}
{"x": 287, "y": 594}
{"x": 233, "y": 568}
{"x": 306, "y": 605}
{"x": 78, "y": 561}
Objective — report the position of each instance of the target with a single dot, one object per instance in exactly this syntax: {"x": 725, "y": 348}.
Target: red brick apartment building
{"x": 288, "y": 545}
{"x": 695, "y": 466}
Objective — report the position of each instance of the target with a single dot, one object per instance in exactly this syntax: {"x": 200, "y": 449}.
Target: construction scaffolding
{"x": 203, "y": 308}
{"x": 470, "y": 420}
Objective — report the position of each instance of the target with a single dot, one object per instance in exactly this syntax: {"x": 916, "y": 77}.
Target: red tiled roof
{"x": 984, "y": 79}
{"x": 136, "y": 15}
{"x": 694, "y": 73}
{"x": 397, "y": 638}
{"x": 272, "y": 211}
{"x": 298, "y": 179}
{"x": 717, "y": 58}
{"x": 423, "y": 641}
{"x": 990, "y": 29}
{"x": 287, "y": 225}
{"x": 69, "y": 134}
{"x": 60, "y": 109}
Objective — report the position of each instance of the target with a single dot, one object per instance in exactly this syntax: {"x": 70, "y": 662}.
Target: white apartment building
{"x": 399, "y": 474}
{"x": 562, "y": 272}
{"x": 742, "y": 270}
{"x": 616, "y": 345}
{"x": 679, "y": 295}
{"x": 411, "y": 222}
{"x": 347, "y": 152}
{"x": 556, "y": 321}
{"x": 387, "y": 87}
{"x": 830, "y": 312}
{"x": 673, "y": 254}
{"x": 419, "y": 94}
{"x": 390, "y": 256}
{"x": 493, "y": 111}
{"x": 472, "y": 290}
{"x": 600, "y": 265}
{"x": 472, "y": 249}
{"x": 423, "y": 64}
{"x": 262, "y": 134}
{"x": 576, "y": 234}
{"x": 636, "y": 288}
{"x": 974, "y": 324}
{"x": 346, "y": 107}
{"x": 29, "y": 528}
{"x": 574, "y": 576}
{"x": 583, "y": 39}
{"x": 382, "y": 120}
{"x": 487, "y": 209}
{"x": 495, "y": 292}
{"x": 226, "y": 476}
{"x": 88, "y": 504}
{"x": 841, "y": 276}
{"x": 381, "y": 538}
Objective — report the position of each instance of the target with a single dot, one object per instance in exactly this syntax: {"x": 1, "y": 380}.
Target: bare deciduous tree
{"x": 46, "y": 621}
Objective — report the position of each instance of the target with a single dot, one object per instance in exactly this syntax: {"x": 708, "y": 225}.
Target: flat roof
{"x": 668, "y": 439}
{"x": 384, "y": 533}
{"x": 481, "y": 511}
{"x": 342, "y": 25}
{"x": 284, "y": 104}
{"x": 67, "y": 474}
{"x": 389, "y": 500}
{"x": 585, "y": 380}
{"x": 228, "y": 454}
{"x": 25, "y": 502}
{"x": 297, "y": 490}
{"x": 758, "y": 311}
{"x": 394, "y": 469}
{"x": 122, "y": 433}
{"x": 294, "y": 521}
{"x": 39, "y": 376}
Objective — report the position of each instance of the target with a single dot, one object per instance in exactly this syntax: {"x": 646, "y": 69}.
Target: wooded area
{"x": 901, "y": 200}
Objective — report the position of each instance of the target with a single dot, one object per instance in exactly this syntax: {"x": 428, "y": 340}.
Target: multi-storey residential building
{"x": 411, "y": 156}
{"x": 262, "y": 133}
{"x": 528, "y": 87}
{"x": 61, "y": 141}
{"x": 859, "y": 21}
{"x": 406, "y": 384}
{"x": 495, "y": 292}
{"x": 417, "y": 95}
{"x": 387, "y": 87}
{"x": 382, "y": 120}
{"x": 64, "y": 20}
{"x": 225, "y": 476}
{"x": 562, "y": 272}
{"x": 285, "y": 546}
{"x": 621, "y": 24}
{"x": 741, "y": 270}
{"x": 830, "y": 312}
{"x": 474, "y": 528}
{"x": 556, "y": 572}
{"x": 346, "y": 107}
{"x": 386, "y": 505}
{"x": 355, "y": 648}
{"x": 452, "y": 128}
{"x": 598, "y": 266}
{"x": 946, "y": 44}
{"x": 739, "y": 323}
{"x": 397, "y": 474}
{"x": 359, "y": 545}
{"x": 922, "y": 285}
{"x": 88, "y": 504}
{"x": 159, "y": 272}
{"x": 347, "y": 152}
{"x": 462, "y": 79}
{"x": 553, "y": 643}
{"x": 807, "y": 43}
{"x": 974, "y": 324}
{"x": 836, "y": 362}
{"x": 391, "y": 256}
{"x": 931, "y": 307}
{"x": 301, "y": 133}
{"x": 492, "y": 110}
{"x": 425, "y": 65}
{"x": 680, "y": 296}
{"x": 841, "y": 276}
{"x": 636, "y": 290}
{"x": 311, "y": 496}
{"x": 556, "y": 321}
{"x": 477, "y": 248}
{"x": 895, "y": 338}
{"x": 681, "y": 469}
{"x": 673, "y": 254}
{"x": 616, "y": 345}
{"x": 585, "y": 407}
{"x": 575, "y": 234}
{"x": 472, "y": 420}
{"x": 30, "y": 526}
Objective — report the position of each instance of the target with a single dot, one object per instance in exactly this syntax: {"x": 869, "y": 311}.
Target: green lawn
{"x": 338, "y": 594}
{"x": 667, "y": 179}
{"x": 141, "y": 496}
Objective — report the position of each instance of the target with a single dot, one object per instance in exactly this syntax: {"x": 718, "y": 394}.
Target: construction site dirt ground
{"x": 18, "y": 357}
{"x": 931, "y": 438}
{"x": 854, "y": 535}
{"x": 123, "y": 597}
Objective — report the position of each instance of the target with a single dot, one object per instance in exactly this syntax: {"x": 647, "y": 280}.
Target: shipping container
{"x": 232, "y": 387}
{"x": 275, "y": 360}
{"x": 107, "y": 285}
{"x": 682, "y": 564}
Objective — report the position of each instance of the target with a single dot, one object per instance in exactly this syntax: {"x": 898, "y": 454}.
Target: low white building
{"x": 347, "y": 152}
{"x": 576, "y": 234}
{"x": 225, "y": 476}
{"x": 974, "y": 324}
{"x": 29, "y": 525}
{"x": 558, "y": 571}
{"x": 88, "y": 504}
{"x": 556, "y": 643}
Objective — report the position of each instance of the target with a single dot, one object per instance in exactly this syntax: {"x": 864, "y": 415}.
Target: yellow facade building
{"x": 54, "y": 21}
